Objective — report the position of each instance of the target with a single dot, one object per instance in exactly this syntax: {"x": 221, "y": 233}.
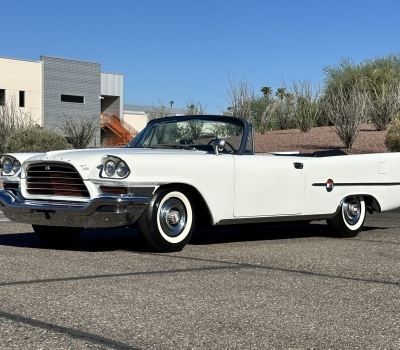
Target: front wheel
{"x": 350, "y": 219}
{"x": 57, "y": 235}
{"x": 168, "y": 222}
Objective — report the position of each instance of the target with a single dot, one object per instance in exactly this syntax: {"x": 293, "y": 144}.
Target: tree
{"x": 280, "y": 93}
{"x": 171, "y": 103}
{"x": 195, "y": 108}
{"x": 284, "y": 109}
{"x": 262, "y": 109}
{"x": 267, "y": 91}
{"x": 307, "y": 108}
{"x": 378, "y": 77}
{"x": 348, "y": 109}
{"x": 12, "y": 118}
{"x": 392, "y": 140}
{"x": 385, "y": 104}
{"x": 239, "y": 96}
{"x": 80, "y": 131}
{"x": 159, "y": 112}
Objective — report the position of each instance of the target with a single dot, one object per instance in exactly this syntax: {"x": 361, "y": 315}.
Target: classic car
{"x": 193, "y": 171}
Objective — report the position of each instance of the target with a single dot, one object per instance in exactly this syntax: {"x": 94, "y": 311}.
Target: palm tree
{"x": 171, "y": 103}
{"x": 267, "y": 91}
{"x": 281, "y": 93}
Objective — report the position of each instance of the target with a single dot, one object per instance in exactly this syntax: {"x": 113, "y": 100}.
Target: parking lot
{"x": 269, "y": 287}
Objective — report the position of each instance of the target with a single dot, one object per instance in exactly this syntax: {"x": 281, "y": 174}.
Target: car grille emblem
{"x": 47, "y": 168}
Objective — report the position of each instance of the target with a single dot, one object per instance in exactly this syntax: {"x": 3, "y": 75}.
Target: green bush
{"x": 392, "y": 140}
{"x": 35, "y": 140}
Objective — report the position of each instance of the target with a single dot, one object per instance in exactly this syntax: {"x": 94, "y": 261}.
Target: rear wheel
{"x": 57, "y": 235}
{"x": 168, "y": 222}
{"x": 350, "y": 219}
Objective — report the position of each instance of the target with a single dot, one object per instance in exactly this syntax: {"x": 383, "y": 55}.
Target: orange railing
{"x": 122, "y": 130}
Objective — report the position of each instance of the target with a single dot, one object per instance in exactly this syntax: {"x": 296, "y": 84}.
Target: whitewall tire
{"x": 168, "y": 222}
{"x": 350, "y": 219}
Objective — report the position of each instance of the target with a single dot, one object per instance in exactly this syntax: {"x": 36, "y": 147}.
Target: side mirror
{"x": 218, "y": 145}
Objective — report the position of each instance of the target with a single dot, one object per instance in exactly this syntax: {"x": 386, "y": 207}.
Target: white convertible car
{"x": 182, "y": 172}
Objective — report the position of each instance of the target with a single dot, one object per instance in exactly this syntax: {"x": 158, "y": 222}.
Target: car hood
{"x": 99, "y": 152}
{"x": 86, "y": 161}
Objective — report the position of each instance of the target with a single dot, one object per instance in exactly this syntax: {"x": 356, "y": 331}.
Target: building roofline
{"x": 20, "y": 59}
{"x": 113, "y": 73}
{"x": 68, "y": 59}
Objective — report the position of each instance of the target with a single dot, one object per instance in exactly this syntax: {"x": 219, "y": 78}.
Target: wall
{"x": 112, "y": 91}
{"x": 20, "y": 75}
{"x": 70, "y": 77}
{"x": 137, "y": 120}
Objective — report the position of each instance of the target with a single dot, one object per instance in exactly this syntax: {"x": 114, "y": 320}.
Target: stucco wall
{"x": 137, "y": 121}
{"x": 20, "y": 75}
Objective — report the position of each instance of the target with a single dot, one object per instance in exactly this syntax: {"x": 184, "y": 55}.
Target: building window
{"x": 2, "y": 97}
{"x": 22, "y": 98}
{"x": 72, "y": 98}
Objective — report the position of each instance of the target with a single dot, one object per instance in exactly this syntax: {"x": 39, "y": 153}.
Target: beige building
{"x": 21, "y": 83}
{"x": 54, "y": 87}
{"x": 138, "y": 116}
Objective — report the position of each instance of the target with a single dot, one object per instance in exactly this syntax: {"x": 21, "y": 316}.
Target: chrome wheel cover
{"x": 351, "y": 210}
{"x": 172, "y": 217}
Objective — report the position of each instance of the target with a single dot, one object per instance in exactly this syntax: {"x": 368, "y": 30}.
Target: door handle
{"x": 298, "y": 165}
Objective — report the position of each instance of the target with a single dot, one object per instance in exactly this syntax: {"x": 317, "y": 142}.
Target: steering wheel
{"x": 226, "y": 143}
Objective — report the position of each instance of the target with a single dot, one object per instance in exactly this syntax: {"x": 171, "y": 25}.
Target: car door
{"x": 268, "y": 185}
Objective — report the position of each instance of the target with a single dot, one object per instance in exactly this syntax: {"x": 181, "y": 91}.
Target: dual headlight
{"x": 10, "y": 166}
{"x": 115, "y": 166}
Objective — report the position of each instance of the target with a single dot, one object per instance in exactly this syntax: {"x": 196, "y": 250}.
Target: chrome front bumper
{"x": 100, "y": 212}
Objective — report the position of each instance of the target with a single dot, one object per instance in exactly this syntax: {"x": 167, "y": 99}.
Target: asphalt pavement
{"x": 268, "y": 287}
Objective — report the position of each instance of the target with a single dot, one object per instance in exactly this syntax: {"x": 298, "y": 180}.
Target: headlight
{"x": 122, "y": 169}
{"x": 7, "y": 167}
{"x": 110, "y": 168}
{"x": 115, "y": 167}
{"x": 16, "y": 166}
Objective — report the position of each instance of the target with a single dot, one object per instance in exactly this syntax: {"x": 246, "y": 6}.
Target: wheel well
{"x": 203, "y": 215}
{"x": 371, "y": 204}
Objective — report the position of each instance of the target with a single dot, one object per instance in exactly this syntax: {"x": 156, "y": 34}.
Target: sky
{"x": 186, "y": 50}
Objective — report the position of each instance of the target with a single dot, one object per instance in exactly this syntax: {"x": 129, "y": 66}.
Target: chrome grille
{"x": 55, "y": 179}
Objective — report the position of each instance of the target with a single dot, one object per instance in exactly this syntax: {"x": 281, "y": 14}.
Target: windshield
{"x": 195, "y": 134}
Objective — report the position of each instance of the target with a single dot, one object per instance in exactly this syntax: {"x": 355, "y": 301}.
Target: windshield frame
{"x": 139, "y": 139}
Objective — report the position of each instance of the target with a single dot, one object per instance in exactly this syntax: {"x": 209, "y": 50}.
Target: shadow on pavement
{"x": 97, "y": 240}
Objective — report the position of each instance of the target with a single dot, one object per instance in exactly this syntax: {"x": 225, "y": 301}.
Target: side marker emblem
{"x": 329, "y": 185}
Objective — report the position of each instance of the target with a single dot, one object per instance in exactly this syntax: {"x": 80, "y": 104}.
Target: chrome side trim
{"x": 259, "y": 220}
{"x": 360, "y": 184}
{"x": 100, "y": 212}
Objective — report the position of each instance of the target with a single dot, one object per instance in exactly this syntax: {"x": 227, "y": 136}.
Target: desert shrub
{"x": 35, "y": 140}
{"x": 392, "y": 141}
{"x": 262, "y": 108}
{"x": 284, "y": 109}
{"x": 12, "y": 118}
{"x": 79, "y": 131}
{"x": 378, "y": 77}
{"x": 385, "y": 104}
{"x": 307, "y": 106}
{"x": 347, "y": 110}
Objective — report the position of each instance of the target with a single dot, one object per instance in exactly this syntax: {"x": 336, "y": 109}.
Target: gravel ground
{"x": 368, "y": 141}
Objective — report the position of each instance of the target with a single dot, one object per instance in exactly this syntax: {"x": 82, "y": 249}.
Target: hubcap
{"x": 351, "y": 210}
{"x": 172, "y": 216}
